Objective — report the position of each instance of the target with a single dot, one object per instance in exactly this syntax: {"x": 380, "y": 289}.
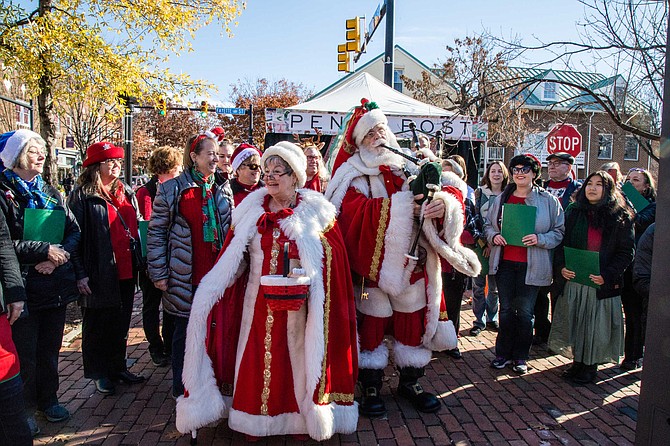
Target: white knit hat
{"x": 14, "y": 143}
{"x": 367, "y": 122}
{"x": 293, "y": 155}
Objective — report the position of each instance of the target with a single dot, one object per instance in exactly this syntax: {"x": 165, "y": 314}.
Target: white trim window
{"x": 550, "y": 91}
{"x": 397, "y": 79}
{"x": 631, "y": 149}
{"x": 605, "y": 146}
{"x": 22, "y": 116}
{"x": 496, "y": 153}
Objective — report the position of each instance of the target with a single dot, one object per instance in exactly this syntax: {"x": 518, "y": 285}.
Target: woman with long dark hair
{"x": 107, "y": 212}
{"x": 588, "y": 323}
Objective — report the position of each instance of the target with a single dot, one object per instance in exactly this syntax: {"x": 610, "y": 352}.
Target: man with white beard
{"x": 396, "y": 295}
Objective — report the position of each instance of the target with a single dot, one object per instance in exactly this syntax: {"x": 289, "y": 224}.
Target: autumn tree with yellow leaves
{"x": 103, "y": 48}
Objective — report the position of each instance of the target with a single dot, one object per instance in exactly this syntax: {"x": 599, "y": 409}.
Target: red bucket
{"x": 285, "y": 293}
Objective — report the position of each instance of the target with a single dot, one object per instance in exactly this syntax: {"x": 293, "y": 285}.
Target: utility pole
{"x": 388, "y": 53}
{"x": 653, "y": 421}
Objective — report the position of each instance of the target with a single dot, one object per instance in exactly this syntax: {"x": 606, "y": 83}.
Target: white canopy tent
{"x": 327, "y": 111}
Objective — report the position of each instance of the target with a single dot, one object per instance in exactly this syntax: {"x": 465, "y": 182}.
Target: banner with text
{"x": 454, "y": 128}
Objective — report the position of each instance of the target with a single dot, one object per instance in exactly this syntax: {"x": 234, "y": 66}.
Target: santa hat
{"x": 361, "y": 120}
{"x": 218, "y": 133}
{"x": 12, "y": 144}
{"x": 242, "y": 153}
{"x": 293, "y": 155}
{"x": 102, "y": 151}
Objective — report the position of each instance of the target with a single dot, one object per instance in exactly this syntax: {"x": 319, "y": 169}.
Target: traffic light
{"x": 342, "y": 58}
{"x": 162, "y": 107}
{"x": 204, "y": 109}
{"x": 353, "y": 35}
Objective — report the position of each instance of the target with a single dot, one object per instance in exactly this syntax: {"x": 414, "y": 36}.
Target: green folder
{"x": 636, "y": 198}
{"x": 518, "y": 220}
{"x": 483, "y": 260}
{"x": 582, "y": 263}
{"x": 44, "y": 225}
{"x": 143, "y": 226}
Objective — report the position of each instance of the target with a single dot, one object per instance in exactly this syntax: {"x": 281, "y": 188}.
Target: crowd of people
{"x": 282, "y": 286}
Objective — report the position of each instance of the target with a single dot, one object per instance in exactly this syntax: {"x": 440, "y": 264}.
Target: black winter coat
{"x": 11, "y": 284}
{"x": 95, "y": 250}
{"x": 616, "y": 252}
{"x": 43, "y": 291}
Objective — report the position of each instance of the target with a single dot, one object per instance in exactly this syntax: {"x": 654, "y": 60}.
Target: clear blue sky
{"x": 297, "y": 40}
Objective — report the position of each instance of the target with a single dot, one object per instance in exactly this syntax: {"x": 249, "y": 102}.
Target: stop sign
{"x": 564, "y": 138}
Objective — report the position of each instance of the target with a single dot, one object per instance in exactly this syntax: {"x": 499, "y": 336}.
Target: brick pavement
{"x": 482, "y": 406}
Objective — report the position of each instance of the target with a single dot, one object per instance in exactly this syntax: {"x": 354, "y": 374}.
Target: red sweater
{"x": 203, "y": 254}
{"x": 515, "y": 253}
{"x": 9, "y": 359}
{"x": 120, "y": 240}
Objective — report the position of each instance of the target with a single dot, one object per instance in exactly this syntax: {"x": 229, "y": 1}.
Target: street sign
{"x": 564, "y": 138}
{"x": 231, "y": 111}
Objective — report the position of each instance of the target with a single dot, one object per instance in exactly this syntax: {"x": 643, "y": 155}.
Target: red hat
{"x": 218, "y": 133}
{"x": 102, "y": 151}
{"x": 351, "y": 137}
{"x": 241, "y": 153}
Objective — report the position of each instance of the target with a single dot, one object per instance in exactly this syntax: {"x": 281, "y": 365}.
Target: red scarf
{"x": 269, "y": 218}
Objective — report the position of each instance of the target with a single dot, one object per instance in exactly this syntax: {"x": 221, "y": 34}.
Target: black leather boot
{"x": 410, "y": 389}
{"x": 586, "y": 375}
{"x": 371, "y": 404}
{"x": 574, "y": 369}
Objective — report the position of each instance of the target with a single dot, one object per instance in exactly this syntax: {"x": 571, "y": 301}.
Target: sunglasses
{"x": 253, "y": 167}
{"x": 521, "y": 170}
{"x": 637, "y": 169}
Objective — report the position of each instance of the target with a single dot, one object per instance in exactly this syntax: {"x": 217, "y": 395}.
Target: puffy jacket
{"x": 11, "y": 285}
{"x": 169, "y": 249}
{"x": 95, "y": 251}
{"x": 43, "y": 291}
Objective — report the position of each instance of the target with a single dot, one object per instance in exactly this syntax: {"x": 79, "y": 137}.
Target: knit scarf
{"x": 31, "y": 191}
{"x": 209, "y": 227}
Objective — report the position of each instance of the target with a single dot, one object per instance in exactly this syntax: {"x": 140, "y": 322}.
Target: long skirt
{"x": 585, "y": 328}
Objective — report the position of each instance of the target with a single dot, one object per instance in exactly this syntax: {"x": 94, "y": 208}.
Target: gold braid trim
{"x": 269, "y": 321}
{"x": 325, "y": 398}
{"x": 379, "y": 242}
{"x": 443, "y": 315}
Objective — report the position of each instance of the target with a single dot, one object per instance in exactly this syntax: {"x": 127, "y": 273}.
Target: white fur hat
{"x": 366, "y": 122}
{"x": 293, "y": 155}
{"x": 14, "y": 143}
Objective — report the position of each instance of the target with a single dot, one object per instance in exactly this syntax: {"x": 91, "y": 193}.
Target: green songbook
{"x": 483, "y": 260}
{"x": 582, "y": 263}
{"x": 636, "y": 198}
{"x": 518, "y": 220}
{"x": 143, "y": 226}
{"x": 44, "y": 225}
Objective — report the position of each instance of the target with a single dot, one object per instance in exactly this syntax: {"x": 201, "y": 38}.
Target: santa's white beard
{"x": 374, "y": 155}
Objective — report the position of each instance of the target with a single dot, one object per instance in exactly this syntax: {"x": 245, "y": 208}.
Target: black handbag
{"x": 139, "y": 261}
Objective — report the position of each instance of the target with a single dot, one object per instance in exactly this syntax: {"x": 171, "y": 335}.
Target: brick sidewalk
{"x": 481, "y": 405}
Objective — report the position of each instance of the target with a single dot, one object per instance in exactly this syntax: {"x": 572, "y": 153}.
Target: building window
{"x": 605, "y": 146}
{"x": 550, "y": 91}
{"x": 496, "y": 153}
{"x": 397, "y": 80}
{"x": 22, "y": 116}
{"x": 631, "y": 149}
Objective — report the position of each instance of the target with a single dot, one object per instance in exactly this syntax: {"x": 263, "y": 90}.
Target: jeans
{"x": 151, "y": 301}
{"x": 38, "y": 339}
{"x": 517, "y": 304}
{"x": 14, "y": 428}
{"x": 484, "y": 304}
{"x": 178, "y": 350}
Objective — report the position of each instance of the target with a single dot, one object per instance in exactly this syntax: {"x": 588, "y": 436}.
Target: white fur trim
{"x": 444, "y": 338}
{"x": 408, "y": 356}
{"x": 375, "y": 359}
{"x": 456, "y": 168}
{"x": 293, "y": 155}
{"x": 241, "y": 157}
{"x": 412, "y": 298}
{"x": 433, "y": 271}
{"x": 396, "y": 268}
{"x": 451, "y": 179}
{"x": 15, "y": 144}
{"x": 377, "y": 303}
{"x": 366, "y": 122}
{"x": 449, "y": 245}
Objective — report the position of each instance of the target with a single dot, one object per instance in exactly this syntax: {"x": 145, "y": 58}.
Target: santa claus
{"x": 397, "y": 296}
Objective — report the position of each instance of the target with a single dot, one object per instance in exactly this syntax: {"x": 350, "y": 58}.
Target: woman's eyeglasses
{"x": 37, "y": 153}
{"x": 312, "y": 158}
{"x": 274, "y": 175}
{"x": 253, "y": 167}
{"x": 520, "y": 170}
